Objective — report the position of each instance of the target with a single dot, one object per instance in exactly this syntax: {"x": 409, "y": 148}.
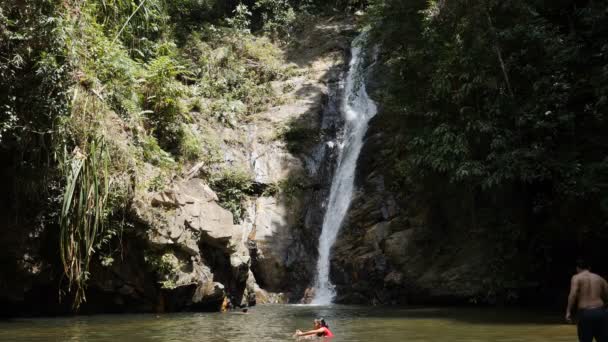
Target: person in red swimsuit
{"x": 321, "y": 329}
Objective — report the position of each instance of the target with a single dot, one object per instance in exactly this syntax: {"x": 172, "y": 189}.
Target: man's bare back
{"x": 588, "y": 290}
{"x": 591, "y": 290}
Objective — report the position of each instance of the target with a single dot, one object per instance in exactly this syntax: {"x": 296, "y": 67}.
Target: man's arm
{"x": 572, "y": 298}
{"x": 604, "y": 291}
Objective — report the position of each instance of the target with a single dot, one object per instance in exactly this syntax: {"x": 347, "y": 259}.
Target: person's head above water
{"x": 320, "y": 322}
{"x": 321, "y": 329}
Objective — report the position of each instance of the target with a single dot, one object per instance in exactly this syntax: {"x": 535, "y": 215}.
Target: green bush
{"x": 190, "y": 148}
{"x": 107, "y": 68}
{"x": 241, "y": 21}
{"x": 166, "y": 267}
{"x": 161, "y": 95}
{"x": 233, "y": 73}
{"x": 136, "y": 24}
{"x": 232, "y": 188}
{"x": 277, "y": 17}
{"x": 153, "y": 154}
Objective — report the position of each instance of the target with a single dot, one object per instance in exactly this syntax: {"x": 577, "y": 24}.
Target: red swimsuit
{"x": 327, "y": 332}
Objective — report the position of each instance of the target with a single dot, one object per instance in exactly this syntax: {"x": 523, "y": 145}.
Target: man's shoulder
{"x": 577, "y": 278}
{"x": 597, "y": 276}
{"x": 588, "y": 276}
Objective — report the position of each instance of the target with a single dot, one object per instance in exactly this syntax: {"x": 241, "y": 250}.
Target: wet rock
{"x": 265, "y": 297}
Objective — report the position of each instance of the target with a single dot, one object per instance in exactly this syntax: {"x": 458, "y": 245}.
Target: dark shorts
{"x": 592, "y": 324}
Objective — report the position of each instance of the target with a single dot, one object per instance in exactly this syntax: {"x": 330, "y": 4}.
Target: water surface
{"x": 278, "y": 322}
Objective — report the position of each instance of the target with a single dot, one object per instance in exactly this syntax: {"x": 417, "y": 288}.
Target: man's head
{"x": 581, "y": 265}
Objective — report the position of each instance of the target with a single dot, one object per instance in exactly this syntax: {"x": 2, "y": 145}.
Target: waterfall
{"x": 357, "y": 109}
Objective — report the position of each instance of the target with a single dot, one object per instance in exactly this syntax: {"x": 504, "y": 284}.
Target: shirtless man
{"x": 590, "y": 292}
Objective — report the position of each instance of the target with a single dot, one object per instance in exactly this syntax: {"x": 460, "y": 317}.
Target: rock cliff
{"x": 396, "y": 249}
{"x": 182, "y": 249}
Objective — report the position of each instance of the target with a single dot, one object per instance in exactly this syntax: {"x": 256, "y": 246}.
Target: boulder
{"x": 309, "y": 295}
{"x": 198, "y": 244}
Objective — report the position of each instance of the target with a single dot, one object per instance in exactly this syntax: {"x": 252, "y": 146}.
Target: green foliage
{"x": 277, "y": 16}
{"x": 34, "y": 93}
{"x": 161, "y": 100}
{"x": 166, "y": 266}
{"x": 291, "y": 188}
{"x": 192, "y": 13}
{"x": 190, "y": 145}
{"x": 153, "y": 154}
{"x": 232, "y": 74}
{"x": 241, "y": 21}
{"x": 500, "y": 105}
{"x": 232, "y": 188}
{"x": 135, "y": 23}
{"x": 92, "y": 91}
{"x": 329, "y": 6}
{"x": 158, "y": 182}
{"x": 84, "y": 211}
{"x": 107, "y": 68}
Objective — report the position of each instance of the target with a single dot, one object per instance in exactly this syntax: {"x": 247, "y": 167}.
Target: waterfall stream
{"x": 357, "y": 109}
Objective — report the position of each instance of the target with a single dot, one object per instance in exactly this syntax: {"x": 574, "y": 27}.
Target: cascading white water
{"x": 357, "y": 109}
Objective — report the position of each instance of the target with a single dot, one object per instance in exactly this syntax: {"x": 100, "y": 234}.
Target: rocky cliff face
{"x": 281, "y": 231}
{"x": 408, "y": 250}
{"x": 182, "y": 250}
{"x": 391, "y": 252}
{"x": 401, "y": 252}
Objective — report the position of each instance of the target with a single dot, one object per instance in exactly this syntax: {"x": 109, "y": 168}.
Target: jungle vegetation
{"x": 498, "y": 113}
{"x": 493, "y": 109}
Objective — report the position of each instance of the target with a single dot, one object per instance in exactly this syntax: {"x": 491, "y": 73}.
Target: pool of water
{"x": 278, "y": 323}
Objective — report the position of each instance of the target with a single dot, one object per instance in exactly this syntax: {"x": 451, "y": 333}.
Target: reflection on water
{"x": 278, "y": 322}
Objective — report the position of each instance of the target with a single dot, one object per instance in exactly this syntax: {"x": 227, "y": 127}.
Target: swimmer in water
{"x": 321, "y": 329}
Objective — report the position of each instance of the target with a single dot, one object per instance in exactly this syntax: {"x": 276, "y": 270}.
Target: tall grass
{"x": 83, "y": 211}
{"x": 141, "y": 16}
